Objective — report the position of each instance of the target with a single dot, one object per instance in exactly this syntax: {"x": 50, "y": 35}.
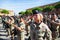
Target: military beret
{"x": 35, "y": 11}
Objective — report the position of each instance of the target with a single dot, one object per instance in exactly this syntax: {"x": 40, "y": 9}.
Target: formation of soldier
{"x": 37, "y": 26}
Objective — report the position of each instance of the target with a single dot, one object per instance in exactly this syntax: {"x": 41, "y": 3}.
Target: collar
{"x": 38, "y": 23}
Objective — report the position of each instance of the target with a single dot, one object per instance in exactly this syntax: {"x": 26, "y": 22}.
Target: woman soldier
{"x": 38, "y": 28}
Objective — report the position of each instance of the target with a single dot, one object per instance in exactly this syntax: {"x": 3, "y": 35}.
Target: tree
{"x": 57, "y": 6}
{"x": 5, "y": 11}
{"x": 48, "y": 8}
{"x": 28, "y": 12}
{"x": 38, "y": 8}
{"x": 21, "y": 13}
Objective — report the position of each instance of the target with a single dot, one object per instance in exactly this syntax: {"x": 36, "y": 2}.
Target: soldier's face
{"x": 9, "y": 21}
{"x": 35, "y": 18}
{"x": 54, "y": 16}
{"x": 38, "y": 18}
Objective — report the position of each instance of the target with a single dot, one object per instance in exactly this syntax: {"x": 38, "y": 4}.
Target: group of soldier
{"x": 37, "y": 26}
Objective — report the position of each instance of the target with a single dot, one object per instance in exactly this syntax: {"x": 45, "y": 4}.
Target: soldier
{"x": 41, "y": 28}
{"x": 3, "y": 18}
{"x": 21, "y": 30}
{"x": 54, "y": 26}
{"x": 9, "y": 27}
{"x": 27, "y": 27}
{"x": 38, "y": 28}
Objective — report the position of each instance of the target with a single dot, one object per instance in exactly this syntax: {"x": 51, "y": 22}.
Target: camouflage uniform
{"x": 21, "y": 34}
{"x": 41, "y": 31}
{"x": 3, "y": 18}
{"x": 7, "y": 26}
{"x": 55, "y": 29}
{"x": 32, "y": 31}
{"x": 58, "y": 21}
{"x": 28, "y": 28}
{"x": 36, "y": 34}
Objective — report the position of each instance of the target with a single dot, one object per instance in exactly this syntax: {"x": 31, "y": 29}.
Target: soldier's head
{"x": 35, "y": 12}
{"x": 54, "y": 16}
{"x": 38, "y": 18}
{"x": 9, "y": 19}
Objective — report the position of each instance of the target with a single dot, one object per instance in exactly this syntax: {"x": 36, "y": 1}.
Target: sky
{"x": 21, "y": 5}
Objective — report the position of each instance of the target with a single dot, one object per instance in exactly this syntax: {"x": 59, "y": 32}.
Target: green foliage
{"x": 5, "y": 11}
{"x": 57, "y": 6}
{"x": 45, "y": 9}
{"x": 28, "y": 12}
{"x": 52, "y": 7}
{"x": 48, "y": 8}
{"x": 38, "y": 8}
{"x": 22, "y": 13}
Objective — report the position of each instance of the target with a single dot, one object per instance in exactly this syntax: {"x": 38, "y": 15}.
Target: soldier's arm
{"x": 12, "y": 19}
{"x": 25, "y": 22}
{"x": 18, "y": 28}
{"x": 7, "y": 22}
{"x": 49, "y": 32}
{"x": 53, "y": 22}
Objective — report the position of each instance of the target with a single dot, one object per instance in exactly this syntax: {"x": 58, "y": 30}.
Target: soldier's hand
{"x": 22, "y": 28}
{"x": 14, "y": 25}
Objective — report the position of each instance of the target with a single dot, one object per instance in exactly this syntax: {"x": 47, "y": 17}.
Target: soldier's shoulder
{"x": 30, "y": 22}
{"x": 43, "y": 24}
{"x": 59, "y": 20}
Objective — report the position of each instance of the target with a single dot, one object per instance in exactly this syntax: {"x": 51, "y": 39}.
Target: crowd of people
{"x": 37, "y": 26}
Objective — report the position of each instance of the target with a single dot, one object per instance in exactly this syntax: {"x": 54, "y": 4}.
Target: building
{"x": 11, "y": 13}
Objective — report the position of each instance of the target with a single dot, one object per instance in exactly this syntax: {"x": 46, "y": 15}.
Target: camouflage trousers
{"x": 21, "y": 36}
